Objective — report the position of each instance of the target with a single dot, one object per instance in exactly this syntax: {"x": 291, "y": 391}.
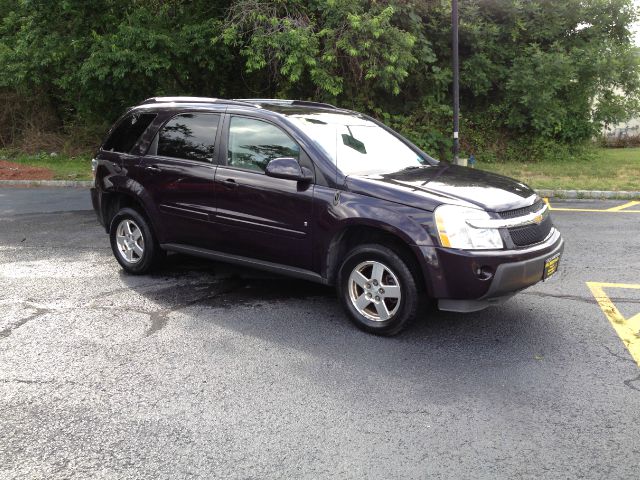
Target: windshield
{"x": 357, "y": 145}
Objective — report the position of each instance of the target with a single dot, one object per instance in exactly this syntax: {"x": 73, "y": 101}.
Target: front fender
{"x": 410, "y": 224}
{"x": 337, "y": 211}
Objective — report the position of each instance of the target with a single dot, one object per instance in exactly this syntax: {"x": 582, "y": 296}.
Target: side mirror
{"x": 288, "y": 168}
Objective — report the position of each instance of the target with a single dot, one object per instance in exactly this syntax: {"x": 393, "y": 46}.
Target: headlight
{"x": 455, "y": 232}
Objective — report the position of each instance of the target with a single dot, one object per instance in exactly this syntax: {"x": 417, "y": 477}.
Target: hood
{"x": 429, "y": 186}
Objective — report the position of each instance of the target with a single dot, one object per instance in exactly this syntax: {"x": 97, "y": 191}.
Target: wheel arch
{"x": 358, "y": 234}
{"x": 117, "y": 190}
{"x": 116, "y": 199}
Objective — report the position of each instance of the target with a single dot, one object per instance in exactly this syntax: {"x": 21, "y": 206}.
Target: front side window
{"x": 254, "y": 143}
{"x": 190, "y": 136}
{"x": 128, "y": 131}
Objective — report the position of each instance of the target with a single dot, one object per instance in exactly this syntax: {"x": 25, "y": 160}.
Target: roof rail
{"x": 190, "y": 100}
{"x": 279, "y": 101}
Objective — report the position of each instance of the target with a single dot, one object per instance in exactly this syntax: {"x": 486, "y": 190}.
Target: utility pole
{"x": 456, "y": 81}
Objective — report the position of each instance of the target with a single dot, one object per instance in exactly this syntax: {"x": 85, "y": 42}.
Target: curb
{"x": 47, "y": 183}
{"x": 589, "y": 194}
{"x": 569, "y": 194}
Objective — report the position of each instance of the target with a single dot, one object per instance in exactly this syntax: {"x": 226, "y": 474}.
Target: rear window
{"x": 128, "y": 131}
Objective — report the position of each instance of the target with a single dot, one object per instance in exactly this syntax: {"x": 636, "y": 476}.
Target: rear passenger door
{"x": 260, "y": 216}
{"x": 178, "y": 171}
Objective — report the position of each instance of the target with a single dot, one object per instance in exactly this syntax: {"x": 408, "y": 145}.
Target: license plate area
{"x": 551, "y": 266}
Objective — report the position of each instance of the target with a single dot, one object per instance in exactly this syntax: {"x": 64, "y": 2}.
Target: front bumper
{"x": 467, "y": 281}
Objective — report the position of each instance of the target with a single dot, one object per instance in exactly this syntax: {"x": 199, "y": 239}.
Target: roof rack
{"x": 191, "y": 100}
{"x": 238, "y": 101}
{"x": 279, "y": 101}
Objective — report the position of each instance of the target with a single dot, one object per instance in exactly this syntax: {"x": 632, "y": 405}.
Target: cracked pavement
{"x": 204, "y": 370}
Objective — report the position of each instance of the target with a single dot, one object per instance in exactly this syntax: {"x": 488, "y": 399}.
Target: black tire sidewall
{"x": 149, "y": 255}
{"x": 408, "y": 303}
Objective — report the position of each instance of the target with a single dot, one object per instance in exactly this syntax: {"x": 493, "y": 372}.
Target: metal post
{"x": 456, "y": 81}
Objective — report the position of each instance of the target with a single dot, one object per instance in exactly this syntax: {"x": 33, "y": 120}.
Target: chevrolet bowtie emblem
{"x": 538, "y": 219}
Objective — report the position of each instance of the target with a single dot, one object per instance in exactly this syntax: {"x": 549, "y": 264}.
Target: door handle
{"x": 153, "y": 168}
{"x": 230, "y": 183}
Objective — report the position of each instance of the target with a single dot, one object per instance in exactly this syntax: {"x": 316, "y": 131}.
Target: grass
{"x": 607, "y": 169}
{"x": 64, "y": 167}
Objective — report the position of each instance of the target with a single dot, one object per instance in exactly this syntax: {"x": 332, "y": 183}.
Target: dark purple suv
{"x": 320, "y": 193}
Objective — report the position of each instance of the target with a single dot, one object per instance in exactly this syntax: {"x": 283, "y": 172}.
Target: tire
{"x": 133, "y": 242}
{"x": 378, "y": 290}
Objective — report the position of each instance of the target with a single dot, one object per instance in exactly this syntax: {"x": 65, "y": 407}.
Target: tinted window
{"x": 128, "y": 131}
{"x": 190, "y": 136}
{"x": 253, "y": 143}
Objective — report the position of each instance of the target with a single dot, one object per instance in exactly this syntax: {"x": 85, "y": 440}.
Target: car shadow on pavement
{"x": 307, "y": 317}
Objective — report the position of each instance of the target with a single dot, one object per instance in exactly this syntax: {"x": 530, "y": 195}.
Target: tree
{"x": 532, "y": 70}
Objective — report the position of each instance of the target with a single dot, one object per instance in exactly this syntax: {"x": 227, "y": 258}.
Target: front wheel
{"x": 377, "y": 289}
{"x": 133, "y": 242}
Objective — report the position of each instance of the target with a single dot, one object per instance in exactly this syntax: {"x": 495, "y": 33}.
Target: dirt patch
{"x": 18, "y": 171}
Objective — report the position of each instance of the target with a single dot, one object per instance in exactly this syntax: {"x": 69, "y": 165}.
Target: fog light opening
{"x": 484, "y": 272}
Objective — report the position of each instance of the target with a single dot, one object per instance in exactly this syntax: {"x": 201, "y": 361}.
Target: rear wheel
{"x": 133, "y": 242}
{"x": 377, "y": 289}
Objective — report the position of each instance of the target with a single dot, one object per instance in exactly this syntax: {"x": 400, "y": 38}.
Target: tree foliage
{"x": 337, "y": 47}
{"x": 540, "y": 70}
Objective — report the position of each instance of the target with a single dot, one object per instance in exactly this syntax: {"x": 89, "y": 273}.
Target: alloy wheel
{"x": 130, "y": 241}
{"x": 374, "y": 291}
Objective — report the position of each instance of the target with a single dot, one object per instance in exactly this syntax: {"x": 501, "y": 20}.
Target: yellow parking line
{"x": 622, "y": 207}
{"x": 618, "y": 209}
{"x": 627, "y": 329}
{"x": 616, "y": 285}
{"x": 592, "y": 210}
{"x": 587, "y": 210}
{"x": 634, "y": 324}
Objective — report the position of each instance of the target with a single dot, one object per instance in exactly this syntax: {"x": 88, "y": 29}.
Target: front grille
{"x": 521, "y": 212}
{"x": 531, "y": 234}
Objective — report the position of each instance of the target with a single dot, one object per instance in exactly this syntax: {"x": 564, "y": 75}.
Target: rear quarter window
{"x": 126, "y": 134}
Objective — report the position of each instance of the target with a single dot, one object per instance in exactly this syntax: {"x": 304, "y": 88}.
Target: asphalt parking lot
{"x": 210, "y": 371}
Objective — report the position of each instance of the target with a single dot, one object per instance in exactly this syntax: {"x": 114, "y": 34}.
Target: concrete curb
{"x": 589, "y": 194}
{"x": 569, "y": 194}
{"x": 46, "y": 183}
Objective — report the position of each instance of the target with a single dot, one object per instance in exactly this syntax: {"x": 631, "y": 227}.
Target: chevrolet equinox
{"x": 319, "y": 193}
